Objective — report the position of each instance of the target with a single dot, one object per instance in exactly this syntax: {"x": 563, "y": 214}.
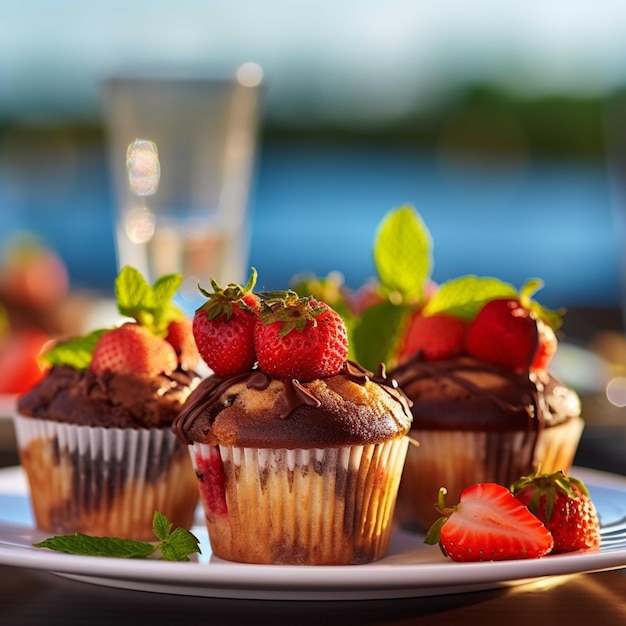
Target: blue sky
{"x": 330, "y": 58}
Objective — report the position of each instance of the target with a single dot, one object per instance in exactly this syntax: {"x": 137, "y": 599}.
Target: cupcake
{"x": 94, "y": 436}
{"x": 298, "y": 452}
{"x": 473, "y": 355}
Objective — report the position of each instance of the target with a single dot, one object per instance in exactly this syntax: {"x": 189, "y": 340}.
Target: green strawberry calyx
{"x": 220, "y": 301}
{"x": 290, "y": 310}
{"x": 151, "y": 306}
{"x": 548, "y": 486}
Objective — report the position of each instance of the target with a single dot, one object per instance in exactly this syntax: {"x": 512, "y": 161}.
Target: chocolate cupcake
{"x": 480, "y": 422}
{"x": 94, "y": 436}
{"x": 301, "y": 468}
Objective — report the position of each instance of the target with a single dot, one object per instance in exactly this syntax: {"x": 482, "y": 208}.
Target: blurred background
{"x": 489, "y": 119}
{"x": 499, "y": 122}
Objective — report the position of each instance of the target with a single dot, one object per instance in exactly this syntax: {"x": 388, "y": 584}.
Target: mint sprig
{"x": 150, "y": 306}
{"x": 403, "y": 254}
{"x": 74, "y": 352}
{"x": 465, "y": 296}
{"x": 173, "y": 545}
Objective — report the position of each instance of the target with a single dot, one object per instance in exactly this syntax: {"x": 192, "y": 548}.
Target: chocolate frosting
{"x": 252, "y": 409}
{"x": 467, "y": 394}
{"x": 108, "y": 400}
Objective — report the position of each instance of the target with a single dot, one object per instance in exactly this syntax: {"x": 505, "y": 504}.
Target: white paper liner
{"x": 105, "y": 481}
{"x": 457, "y": 459}
{"x": 321, "y": 506}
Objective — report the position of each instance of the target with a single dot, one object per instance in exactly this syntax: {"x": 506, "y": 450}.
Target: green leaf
{"x": 173, "y": 546}
{"x": 151, "y": 306}
{"x": 179, "y": 545}
{"x": 74, "y": 352}
{"x": 161, "y": 526}
{"x": 465, "y": 296}
{"x": 376, "y": 335}
{"x": 403, "y": 253}
{"x": 132, "y": 292}
{"x": 87, "y": 545}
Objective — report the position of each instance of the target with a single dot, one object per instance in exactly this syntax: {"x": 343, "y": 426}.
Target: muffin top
{"x": 464, "y": 393}
{"x": 253, "y": 409}
{"x": 109, "y": 400}
{"x": 135, "y": 374}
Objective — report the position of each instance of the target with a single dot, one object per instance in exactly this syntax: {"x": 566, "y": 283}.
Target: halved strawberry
{"x": 300, "y": 338}
{"x": 132, "y": 349}
{"x": 223, "y": 327}
{"x": 488, "y": 524}
{"x": 564, "y": 506}
{"x": 435, "y": 337}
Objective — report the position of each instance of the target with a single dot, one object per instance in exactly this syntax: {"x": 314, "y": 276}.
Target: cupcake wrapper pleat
{"x": 319, "y": 506}
{"x": 104, "y": 481}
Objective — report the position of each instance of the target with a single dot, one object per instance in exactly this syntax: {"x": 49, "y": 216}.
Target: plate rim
{"x": 379, "y": 579}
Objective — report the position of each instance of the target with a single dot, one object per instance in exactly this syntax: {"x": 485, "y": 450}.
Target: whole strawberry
{"x": 223, "y": 327}
{"x": 488, "y": 524}
{"x": 435, "y": 337}
{"x": 564, "y": 506}
{"x": 180, "y": 336}
{"x": 516, "y": 333}
{"x": 300, "y": 338}
{"x": 132, "y": 349}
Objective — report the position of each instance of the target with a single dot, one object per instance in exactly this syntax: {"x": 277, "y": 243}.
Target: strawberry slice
{"x": 488, "y": 524}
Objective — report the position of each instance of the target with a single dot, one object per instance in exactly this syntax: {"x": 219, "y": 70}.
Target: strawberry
{"x": 300, "y": 338}
{"x": 20, "y": 364}
{"x": 488, "y": 524}
{"x": 223, "y": 327}
{"x": 437, "y": 336}
{"x": 180, "y": 336}
{"x": 504, "y": 333}
{"x": 514, "y": 332}
{"x": 564, "y": 506}
{"x": 211, "y": 482}
{"x": 547, "y": 348}
{"x": 132, "y": 349}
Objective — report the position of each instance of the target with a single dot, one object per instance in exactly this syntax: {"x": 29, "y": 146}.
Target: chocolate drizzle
{"x": 212, "y": 397}
{"x": 466, "y": 394}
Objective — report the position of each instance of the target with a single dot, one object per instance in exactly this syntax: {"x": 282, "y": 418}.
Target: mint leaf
{"x": 74, "y": 352}
{"x": 161, "y": 526}
{"x": 173, "y": 546}
{"x": 86, "y": 545}
{"x": 151, "y": 306}
{"x": 465, "y": 296}
{"x": 376, "y": 335}
{"x": 179, "y": 545}
{"x": 403, "y": 253}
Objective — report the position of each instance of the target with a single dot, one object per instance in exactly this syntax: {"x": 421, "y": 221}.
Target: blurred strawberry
{"x": 132, "y": 349}
{"x": 33, "y": 276}
{"x": 435, "y": 337}
{"x": 20, "y": 364}
{"x": 180, "y": 336}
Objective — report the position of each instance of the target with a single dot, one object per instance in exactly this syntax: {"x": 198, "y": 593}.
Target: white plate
{"x": 412, "y": 569}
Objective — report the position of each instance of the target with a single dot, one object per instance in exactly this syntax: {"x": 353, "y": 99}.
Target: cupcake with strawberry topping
{"x": 298, "y": 452}
{"x": 94, "y": 435}
{"x": 473, "y": 355}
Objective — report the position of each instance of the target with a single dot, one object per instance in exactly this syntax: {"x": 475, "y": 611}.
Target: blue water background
{"x": 316, "y": 207}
